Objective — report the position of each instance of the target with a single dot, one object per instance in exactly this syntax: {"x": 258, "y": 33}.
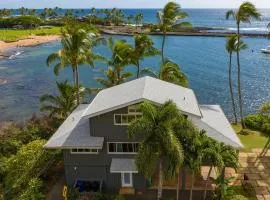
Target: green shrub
{"x": 29, "y": 162}
{"x": 258, "y": 122}
{"x": 254, "y": 122}
{"x": 23, "y": 21}
{"x": 72, "y": 193}
{"x": 33, "y": 190}
{"x": 119, "y": 197}
{"x": 239, "y": 197}
{"x": 99, "y": 196}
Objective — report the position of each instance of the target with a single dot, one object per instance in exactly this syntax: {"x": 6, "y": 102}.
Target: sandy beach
{"x": 31, "y": 41}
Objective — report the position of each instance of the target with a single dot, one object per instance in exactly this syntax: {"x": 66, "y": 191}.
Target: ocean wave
{"x": 17, "y": 53}
{"x": 250, "y": 29}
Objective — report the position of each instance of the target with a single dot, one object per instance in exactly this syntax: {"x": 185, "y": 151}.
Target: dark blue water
{"x": 203, "y": 59}
{"x": 198, "y": 17}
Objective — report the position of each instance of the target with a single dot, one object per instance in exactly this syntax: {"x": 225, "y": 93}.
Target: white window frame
{"x": 123, "y": 179}
{"x": 121, "y": 115}
{"x": 135, "y": 107}
{"x": 121, "y": 152}
{"x": 84, "y": 152}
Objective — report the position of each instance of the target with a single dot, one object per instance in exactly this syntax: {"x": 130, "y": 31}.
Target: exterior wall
{"x": 97, "y": 166}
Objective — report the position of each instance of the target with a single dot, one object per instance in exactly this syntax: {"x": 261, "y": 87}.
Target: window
{"x": 134, "y": 112}
{"x": 134, "y": 109}
{"x": 84, "y": 151}
{"x": 125, "y": 119}
{"x": 123, "y": 147}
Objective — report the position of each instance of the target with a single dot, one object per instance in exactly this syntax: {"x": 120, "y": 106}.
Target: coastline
{"x": 37, "y": 40}
{"x": 30, "y": 41}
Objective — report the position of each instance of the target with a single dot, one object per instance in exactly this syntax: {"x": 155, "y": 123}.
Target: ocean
{"x": 203, "y": 59}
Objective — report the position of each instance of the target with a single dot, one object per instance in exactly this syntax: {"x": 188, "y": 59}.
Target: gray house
{"x": 94, "y": 138}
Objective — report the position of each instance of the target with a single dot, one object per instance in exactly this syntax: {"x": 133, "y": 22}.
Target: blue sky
{"x": 127, "y": 3}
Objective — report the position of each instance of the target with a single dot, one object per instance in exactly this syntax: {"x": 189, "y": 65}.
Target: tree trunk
{"x": 74, "y": 76}
{"x": 239, "y": 79}
{"x": 192, "y": 184}
{"x": 77, "y": 86}
{"x": 160, "y": 181}
{"x": 183, "y": 179}
{"x": 162, "y": 47}
{"x": 231, "y": 89}
{"x": 265, "y": 148}
{"x": 178, "y": 185}
{"x": 222, "y": 183}
{"x": 207, "y": 181}
{"x": 138, "y": 70}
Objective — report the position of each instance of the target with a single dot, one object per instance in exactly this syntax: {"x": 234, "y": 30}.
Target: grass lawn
{"x": 12, "y": 35}
{"x": 254, "y": 139}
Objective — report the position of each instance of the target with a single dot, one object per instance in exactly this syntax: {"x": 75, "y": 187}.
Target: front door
{"x": 126, "y": 179}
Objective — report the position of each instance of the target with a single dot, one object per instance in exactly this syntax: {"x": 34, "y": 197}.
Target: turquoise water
{"x": 203, "y": 59}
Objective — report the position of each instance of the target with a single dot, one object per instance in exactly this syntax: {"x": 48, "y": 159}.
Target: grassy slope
{"x": 11, "y": 35}
{"x": 254, "y": 139}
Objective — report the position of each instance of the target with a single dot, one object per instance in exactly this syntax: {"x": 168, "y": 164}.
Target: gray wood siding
{"x": 97, "y": 166}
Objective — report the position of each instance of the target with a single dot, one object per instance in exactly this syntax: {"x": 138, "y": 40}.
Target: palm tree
{"x": 62, "y": 105}
{"x": 130, "y": 18}
{"x": 113, "y": 77}
{"x": 231, "y": 47}
{"x": 77, "y": 49}
{"x": 169, "y": 71}
{"x": 143, "y": 48}
{"x": 230, "y": 159}
{"x": 212, "y": 155}
{"x": 168, "y": 17}
{"x": 121, "y": 57}
{"x": 245, "y": 13}
{"x": 268, "y": 27}
{"x": 23, "y": 11}
{"x": 160, "y": 144}
{"x": 138, "y": 19}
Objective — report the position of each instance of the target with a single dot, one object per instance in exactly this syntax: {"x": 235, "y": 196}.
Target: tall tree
{"x": 170, "y": 72}
{"x": 143, "y": 48}
{"x": 77, "y": 49}
{"x": 231, "y": 47}
{"x": 245, "y": 13}
{"x": 121, "y": 56}
{"x": 212, "y": 154}
{"x": 268, "y": 27}
{"x": 139, "y": 18}
{"x": 168, "y": 17}
{"x": 160, "y": 145}
{"x": 114, "y": 77}
{"x": 62, "y": 105}
{"x": 230, "y": 159}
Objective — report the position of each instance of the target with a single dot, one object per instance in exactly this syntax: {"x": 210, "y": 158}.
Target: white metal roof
{"x": 216, "y": 125}
{"x": 146, "y": 88}
{"x": 74, "y": 133}
{"x": 121, "y": 165}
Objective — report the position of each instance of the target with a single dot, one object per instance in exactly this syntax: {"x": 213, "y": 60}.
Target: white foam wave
{"x": 250, "y": 29}
{"x": 17, "y": 53}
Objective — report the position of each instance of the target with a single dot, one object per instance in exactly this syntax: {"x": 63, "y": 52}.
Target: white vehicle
{"x": 266, "y": 50}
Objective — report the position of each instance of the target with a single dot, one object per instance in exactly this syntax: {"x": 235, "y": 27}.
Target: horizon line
{"x": 120, "y": 8}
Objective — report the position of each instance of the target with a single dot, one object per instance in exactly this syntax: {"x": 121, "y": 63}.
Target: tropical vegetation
{"x": 170, "y": 142}
{"x": 170, "y": 16}
{"x": 160, "y": 145}
{"x": 246, "y": 12}
{"x": 59, "y": 107}
{"x": 231, "y": 47}
{"x": 170, "y": 72}
{"x": 77, "y": 49}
